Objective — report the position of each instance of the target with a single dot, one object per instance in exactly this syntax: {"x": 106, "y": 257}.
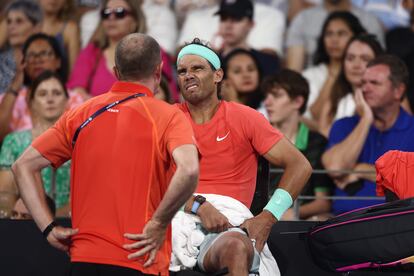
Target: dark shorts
{"x": 91, "y": 269}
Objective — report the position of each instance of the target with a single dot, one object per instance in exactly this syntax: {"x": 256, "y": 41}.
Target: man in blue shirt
{"x": 355, "y": 143}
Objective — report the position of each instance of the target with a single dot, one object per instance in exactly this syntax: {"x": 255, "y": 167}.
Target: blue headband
{"x": 202, "y": 51}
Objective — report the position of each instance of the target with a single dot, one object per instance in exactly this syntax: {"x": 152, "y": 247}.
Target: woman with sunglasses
{"x": 92, "y": 74}
{"x": 47, "y": 100}
{"x": 40, "y": 53}
{"x": 56, "y": 22}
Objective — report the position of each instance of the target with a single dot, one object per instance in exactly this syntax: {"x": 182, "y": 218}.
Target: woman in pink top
{"x": 92, "y": 74}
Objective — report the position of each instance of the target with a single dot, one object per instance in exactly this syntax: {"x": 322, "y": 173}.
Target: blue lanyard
{"x": 100, "y": 111}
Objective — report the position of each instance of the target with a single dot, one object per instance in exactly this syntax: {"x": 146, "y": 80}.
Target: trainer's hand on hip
{"x": 60, "y": 237}
{"x": 149, "y": 242}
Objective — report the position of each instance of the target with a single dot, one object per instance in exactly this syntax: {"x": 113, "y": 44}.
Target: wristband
{"x": 49, "y": 229}
{"x": 279, "y": 203}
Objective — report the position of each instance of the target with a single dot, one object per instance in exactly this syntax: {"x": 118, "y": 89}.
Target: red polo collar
{"x": 129, "y": 87}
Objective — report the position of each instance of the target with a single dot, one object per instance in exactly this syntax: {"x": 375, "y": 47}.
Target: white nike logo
{"x": 219, "y": 139}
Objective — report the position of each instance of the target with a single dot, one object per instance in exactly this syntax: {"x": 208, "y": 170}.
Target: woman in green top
{"x": 47, "y": 100}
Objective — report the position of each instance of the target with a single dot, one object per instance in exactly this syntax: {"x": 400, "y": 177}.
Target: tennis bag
{"x": 379, "y": 237}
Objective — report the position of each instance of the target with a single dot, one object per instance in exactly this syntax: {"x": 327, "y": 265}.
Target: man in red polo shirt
{"x": 134, "y": 163}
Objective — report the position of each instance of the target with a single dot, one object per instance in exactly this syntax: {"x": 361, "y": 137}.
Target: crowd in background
{"x": 298, "y": 62}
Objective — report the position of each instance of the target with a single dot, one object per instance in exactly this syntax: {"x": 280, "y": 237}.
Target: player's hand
{"x": 259, "y": 228}
{"x": 148, "y": 242}
{"x": 211, "y": 219}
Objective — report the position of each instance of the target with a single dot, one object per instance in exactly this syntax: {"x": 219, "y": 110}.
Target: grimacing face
{"x": 196, "y": 79}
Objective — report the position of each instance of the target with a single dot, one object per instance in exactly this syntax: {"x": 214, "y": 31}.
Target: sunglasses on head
{"x": 119, "y": 13}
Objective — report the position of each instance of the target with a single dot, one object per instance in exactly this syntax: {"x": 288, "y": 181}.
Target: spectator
{"x": 20, "y": 211}
{"x": 3, "y": 32}
{"x": 93, "y": 70}
{"x": 338, "y": 29}
{"x": 47, "y": 101}
{"x": 22, "y": 20}
{"x": 57, "y": 22}
{"x": 242, "y": 78}
{"x": 355, "y": 143}
{"x": 162, "y": 24}
{"x": 40, "y": 52}
{"x": 306, "y": 27}
{"x": 236, "y": 22}
{"x": 286, "y": 97}
{"x": 92, "y": 74}
{"x": 360, "y": 50}
{"x": 266, "y": 33}
{"x": 390, "y": 13}
{"x": 400, "y": 42}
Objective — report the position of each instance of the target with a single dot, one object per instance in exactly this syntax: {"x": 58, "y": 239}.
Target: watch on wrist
{"x": 198, "y": 201}
{"x": 49, "y": 229}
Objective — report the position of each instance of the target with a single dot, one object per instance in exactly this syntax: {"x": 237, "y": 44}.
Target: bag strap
{"x": 99, "y": 112}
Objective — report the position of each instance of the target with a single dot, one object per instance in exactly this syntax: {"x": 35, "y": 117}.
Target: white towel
{"x": 186, "y": 237}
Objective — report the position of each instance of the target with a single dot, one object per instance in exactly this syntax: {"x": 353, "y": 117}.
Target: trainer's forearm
{"x": 181, "y": 188}
{"x": 30, "y": 186}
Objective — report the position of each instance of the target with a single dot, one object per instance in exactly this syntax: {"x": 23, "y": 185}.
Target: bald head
{"x": 137, "y": 57}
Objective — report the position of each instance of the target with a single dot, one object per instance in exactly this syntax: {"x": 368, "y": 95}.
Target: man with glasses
{"x": 134, "y": 164}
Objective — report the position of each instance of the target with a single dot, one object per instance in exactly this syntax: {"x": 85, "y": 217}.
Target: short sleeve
{"x": 54, "y": 144}
{"x": 179, "y": 131}
{"x": 260, "y": 132}
{"x": 84, "y": 65}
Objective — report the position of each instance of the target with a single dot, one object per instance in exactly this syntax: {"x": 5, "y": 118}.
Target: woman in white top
{"x": 360, "y": 50}
{"x": 337, "y": 30}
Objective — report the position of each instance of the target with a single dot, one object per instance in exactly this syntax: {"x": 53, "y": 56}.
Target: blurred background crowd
{"x": 299, "y": 62}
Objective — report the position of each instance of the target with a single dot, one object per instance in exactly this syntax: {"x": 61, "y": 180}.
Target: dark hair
{"x": 56, "y": 50}
{"x": 46, "y": 75}
{"x": 254, "y": 98}
{"x": 137, "y": 56}
{"x": 292, "y": 82}
{"x": 353, "y": 23}
{"x": 30, "y": 9}
{"x": 342, "y": 86}
{"x": 198, "y": 41}
{"x": 398, "y": 70}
